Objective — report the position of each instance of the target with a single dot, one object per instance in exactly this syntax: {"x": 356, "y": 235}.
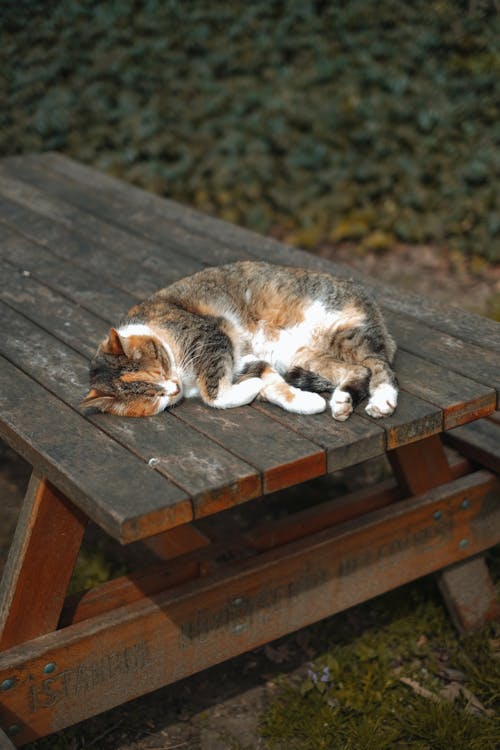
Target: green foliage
{"x": 266, "y": 113}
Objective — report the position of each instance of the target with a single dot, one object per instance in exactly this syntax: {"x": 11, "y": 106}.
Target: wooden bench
{"x": 77, "y": 249}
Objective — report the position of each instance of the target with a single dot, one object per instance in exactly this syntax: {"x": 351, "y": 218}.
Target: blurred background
{"x": 357, "y": 128}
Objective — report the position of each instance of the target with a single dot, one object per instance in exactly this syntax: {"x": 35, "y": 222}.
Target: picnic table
{"x": 77, "y": 249}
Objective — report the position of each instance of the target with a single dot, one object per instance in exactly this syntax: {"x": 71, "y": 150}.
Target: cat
{"x": 232, "y": 333}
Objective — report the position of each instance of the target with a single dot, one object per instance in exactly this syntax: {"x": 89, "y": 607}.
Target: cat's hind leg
{"x": 349, "y": 382}
{"x": 383, "y": 390}
{"x": 276, "y": 390}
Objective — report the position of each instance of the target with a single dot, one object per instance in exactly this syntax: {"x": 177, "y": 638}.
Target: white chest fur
{"x": 279, "y": 350}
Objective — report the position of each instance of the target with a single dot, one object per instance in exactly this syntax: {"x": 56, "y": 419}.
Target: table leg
{"x": 466, "y": 586}
{"x": 40, "y": 564}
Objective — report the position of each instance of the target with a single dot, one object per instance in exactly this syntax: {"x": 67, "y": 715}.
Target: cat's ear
{"x": 113, "y": 344}
{"x": 97, "y": 400}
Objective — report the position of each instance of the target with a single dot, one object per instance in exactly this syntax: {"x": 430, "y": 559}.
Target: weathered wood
{"x": 264, "y": 536}
{"x": 346, "y": 443}
{"x": 418, "y": 469}
{"x": 51, "y": 310}
{"x": 212, "y": 477}
{"x": 130, "y": 503}
{"x": 94, "y": 292}
{"x": 103, "y": 662}
{"x": 469, "y": 593}
{"x": 283, "y": 457}
{"x": 40, "y": 564}
{"x": 451, "y": 352}
{"x": 137, "y": 208}
{"x": 178, "y": 541}
{"x": 479, "y": 441}
{"x": 43, "y": 194}
{"x": 408, "y": 420}
{"x": 460, "y": 398}
{"x": 421, "y": 466}
{"x": 91, "y": 253}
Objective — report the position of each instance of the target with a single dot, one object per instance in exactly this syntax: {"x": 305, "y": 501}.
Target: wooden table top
{"x": 78, "y": 249}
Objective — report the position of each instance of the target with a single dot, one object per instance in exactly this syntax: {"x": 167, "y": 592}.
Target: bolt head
{"x": 49, "y": 668}
{"x": 463, "y": 543}
{"x": 7, "y": 684}
{"x": 438, "y": 515}
{"x": 465, "y": 504}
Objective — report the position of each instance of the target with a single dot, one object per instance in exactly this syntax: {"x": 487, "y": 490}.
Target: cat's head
{"x": 132, "y": 375}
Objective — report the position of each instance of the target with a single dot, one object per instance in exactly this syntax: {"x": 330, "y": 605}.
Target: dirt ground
{"x": 219, "y": 709}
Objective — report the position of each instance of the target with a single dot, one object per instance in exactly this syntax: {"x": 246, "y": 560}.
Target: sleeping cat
{"x": 249, "y": 329}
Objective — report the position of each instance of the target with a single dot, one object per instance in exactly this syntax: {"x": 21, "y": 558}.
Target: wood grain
{"x": 47, "y": 540}
{"x": 119, "y": 655}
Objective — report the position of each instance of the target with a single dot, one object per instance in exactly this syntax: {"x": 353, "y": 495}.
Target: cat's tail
{"x": 307, "y": 380}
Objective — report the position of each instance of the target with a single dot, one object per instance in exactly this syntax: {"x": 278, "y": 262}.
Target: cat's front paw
{"x": 382, "y": 402}
{"x": 341, "y": 405}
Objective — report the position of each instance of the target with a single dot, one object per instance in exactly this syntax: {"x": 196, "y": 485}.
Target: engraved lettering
{"x": 241, "y": 612}
{"x": 418, "y": 538}
{"x": 84, "y": 678}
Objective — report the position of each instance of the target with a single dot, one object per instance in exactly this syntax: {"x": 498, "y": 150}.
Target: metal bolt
{"x": 239, "y": 628}
{"x": 465, "y": 504}
{"x": 14, "y": 729}
{"x": 463, "y": 543}
{"x": 49, "y": 668}
{"x": 238, "y": 601}
{"x": 438, "y": 515}
{"x": 7, "y": 684}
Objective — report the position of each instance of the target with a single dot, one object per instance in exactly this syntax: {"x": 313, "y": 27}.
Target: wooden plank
{"x": 51, "y": 311}
{"x": 64, "y": 189}
{"x": 213, "y": 477}
{"x": 80, "y": 225}
{"x": 460, "y": 398}
{"x": 105, "y": 661}
{"x": 481, "y": 365}
{"x": 43, "y": 553}
{"x": 300, "y": 459}
{"x": 399, "y": 434}
{"x": 421, "y": 466}
{"x": 469, "y": 593}
{"x": 41, "y": 192}
{"x": 179, "y": 541}
{"x": 283, "y": 457}
{"x": 132, "y": 503}
{"x": 346, "y": 443}
{"x": 138, "y": 207}
{"x": 479, "y": 441}
{"x": 412, "y": 419}
{"x": 92, "y": 291}
{"x": 72, "y": 280}
{"x": 371, "y": 439}
{"x": 89, "y": 252}
{"x": 263, "y": 536}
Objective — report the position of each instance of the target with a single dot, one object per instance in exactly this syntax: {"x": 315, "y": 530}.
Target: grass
{"x": 354, "y": 693}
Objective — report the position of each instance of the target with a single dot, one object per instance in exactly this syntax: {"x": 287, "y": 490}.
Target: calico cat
{"x": 249, "y": 329}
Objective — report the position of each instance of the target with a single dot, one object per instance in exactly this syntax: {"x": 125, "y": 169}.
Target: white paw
{"x": 304, "y": 402}
{"x": 341, "y": 404}
{"x": 293, "y": 399}
{"x": 382, "y": 402}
